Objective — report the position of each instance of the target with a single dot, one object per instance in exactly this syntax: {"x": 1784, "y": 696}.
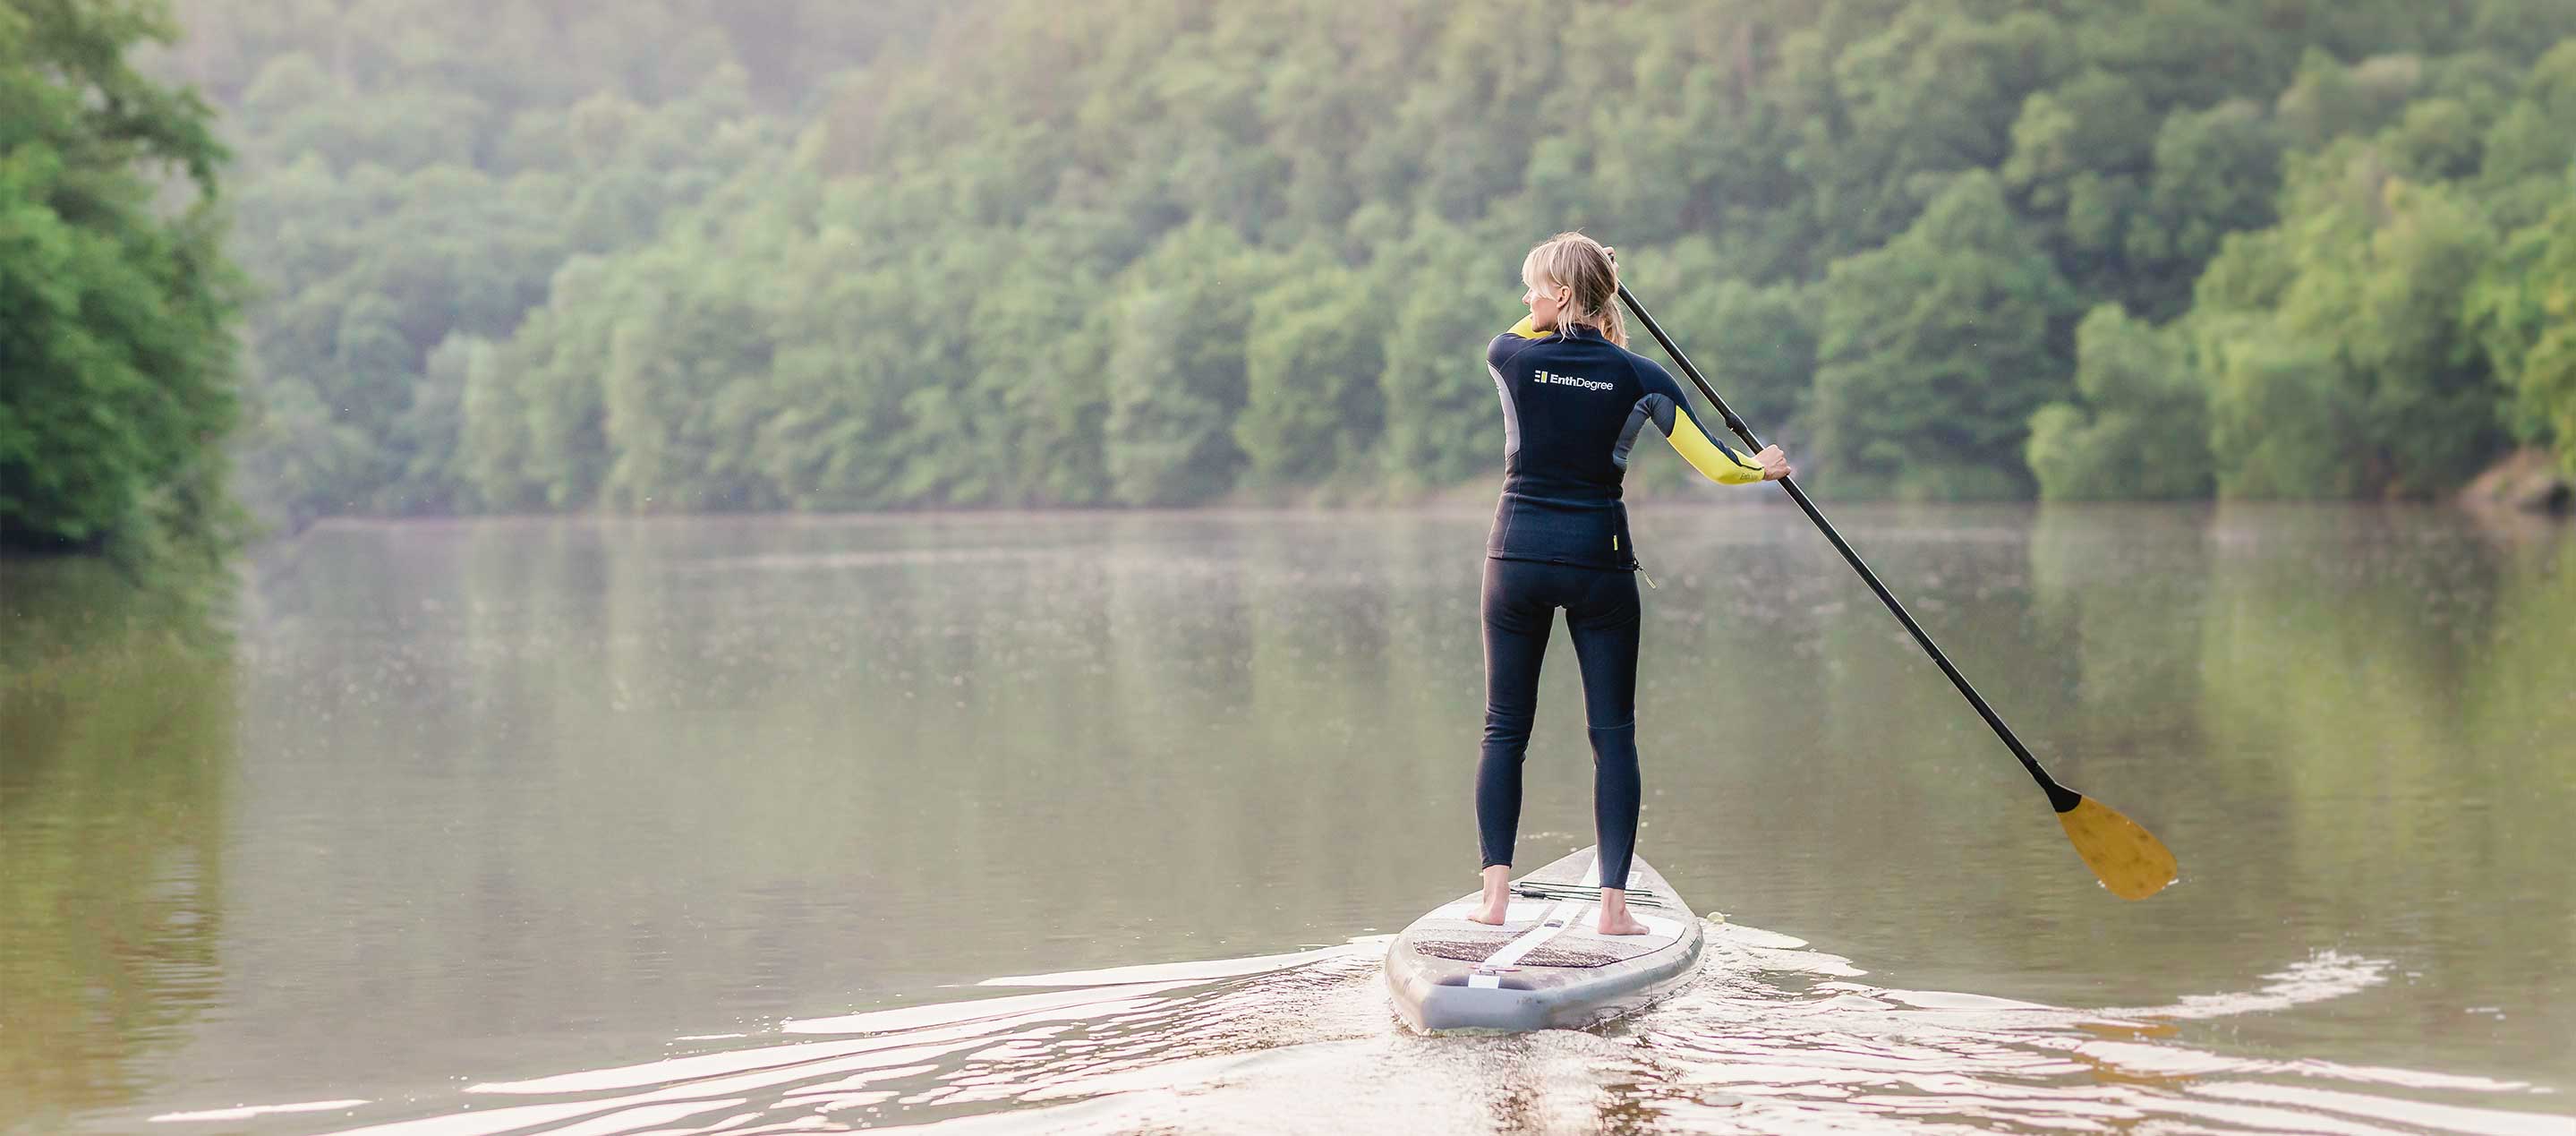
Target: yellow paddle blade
{"x": 2129, "y": 859}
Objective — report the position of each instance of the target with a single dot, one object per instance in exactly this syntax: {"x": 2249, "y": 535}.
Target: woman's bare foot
{"x": 1615, "y": 919}
{"x": 1496, "y": 904}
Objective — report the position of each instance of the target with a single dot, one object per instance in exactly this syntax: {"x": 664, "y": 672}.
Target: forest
{"x": 693, "y": 255}
{"x": 117, "y": 306}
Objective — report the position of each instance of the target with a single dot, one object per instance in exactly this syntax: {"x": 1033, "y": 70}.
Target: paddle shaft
{"x": 2059, "y": 797}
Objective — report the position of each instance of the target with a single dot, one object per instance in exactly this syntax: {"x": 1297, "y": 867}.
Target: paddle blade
{"x": 2129, "y": 859}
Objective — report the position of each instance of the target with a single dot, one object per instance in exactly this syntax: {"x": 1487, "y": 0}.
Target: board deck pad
{"x": 1545, "y": 966}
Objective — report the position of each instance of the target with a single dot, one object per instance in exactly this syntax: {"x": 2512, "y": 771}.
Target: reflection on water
{"x": 115, "y": 736}
{"x": 473, "y": 808}
{"x": 1775, "y": 1038}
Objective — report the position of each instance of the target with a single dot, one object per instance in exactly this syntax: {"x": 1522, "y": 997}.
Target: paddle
{"x": 2130, "y": 861}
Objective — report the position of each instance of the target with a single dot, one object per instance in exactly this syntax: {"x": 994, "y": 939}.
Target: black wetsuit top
{"x": 1573, "y": 406}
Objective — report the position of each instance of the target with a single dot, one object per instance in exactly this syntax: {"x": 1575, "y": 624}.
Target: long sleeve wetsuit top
{"x": 1573, "y": 407}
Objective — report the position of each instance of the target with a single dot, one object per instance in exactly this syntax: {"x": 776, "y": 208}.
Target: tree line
{"x": 117, "y": 307}
{"x": 694, "y": 255}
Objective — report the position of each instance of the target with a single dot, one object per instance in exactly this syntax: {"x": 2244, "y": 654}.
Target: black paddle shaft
{"x": 2060, "y": 797}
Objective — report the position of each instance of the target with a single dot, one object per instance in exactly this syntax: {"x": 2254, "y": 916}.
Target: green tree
{"x": 2217, "y": 171}
{"x": 1311, "y": 363}
{"x": 1932, "y": 91}
{"x": 2140, "y": 429}
{"x": 1935, "y": 350}
{"x": 1443, "y": 417}
{"x": 2081, "y": 155}
{"x": 1176, "y": 368}
{"x": 688, "y": 364}
{"x": 2528, "y": 150}
{"x": 2338, "y": 360}
{"x": 115, "y": 314}
{"x": 2523, "y": 309}
{"x": 2331, "y": 100}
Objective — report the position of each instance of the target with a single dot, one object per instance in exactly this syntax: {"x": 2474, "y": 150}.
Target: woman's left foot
{"x": 1615, "y": 919}
{"x": 1620, "y": 924}
{"x": 1494, "y": 900}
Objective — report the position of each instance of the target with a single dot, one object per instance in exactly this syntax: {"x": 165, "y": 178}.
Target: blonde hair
{"x": 1590, "y": 273}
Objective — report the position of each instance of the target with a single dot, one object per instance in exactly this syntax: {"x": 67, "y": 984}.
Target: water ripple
{"x": 1775, "y": 1038}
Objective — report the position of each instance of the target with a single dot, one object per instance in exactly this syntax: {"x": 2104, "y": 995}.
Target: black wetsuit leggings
{"x": 1520, "y": 602}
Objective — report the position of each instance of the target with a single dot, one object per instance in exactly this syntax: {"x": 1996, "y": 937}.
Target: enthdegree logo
{"x": 1551, "y": 377}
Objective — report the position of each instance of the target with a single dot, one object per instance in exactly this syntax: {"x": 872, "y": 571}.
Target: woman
{"x": 1574, "y": 401}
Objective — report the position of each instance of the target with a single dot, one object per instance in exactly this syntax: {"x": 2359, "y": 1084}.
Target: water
{"x": 789, "y": 825}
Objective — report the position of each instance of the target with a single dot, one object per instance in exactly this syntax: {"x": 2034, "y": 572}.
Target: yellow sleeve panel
{"x": 1527, "y": 329}
{"x": 1718, "y": 463}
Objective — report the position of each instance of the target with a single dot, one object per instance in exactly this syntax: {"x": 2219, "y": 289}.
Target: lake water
{"x": 1098, "y": 822}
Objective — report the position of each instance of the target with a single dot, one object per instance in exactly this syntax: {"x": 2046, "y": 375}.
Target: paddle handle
{"x": 2060, "y": 797}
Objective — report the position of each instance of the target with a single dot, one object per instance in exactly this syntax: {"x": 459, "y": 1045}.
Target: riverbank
{"x": 2529, "y": 479}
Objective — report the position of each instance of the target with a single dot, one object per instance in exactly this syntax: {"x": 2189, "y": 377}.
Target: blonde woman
{"x": 1574, "y": 401}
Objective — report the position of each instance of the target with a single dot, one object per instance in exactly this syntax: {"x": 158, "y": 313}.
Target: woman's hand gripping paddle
{"x": 2129, "y": 860}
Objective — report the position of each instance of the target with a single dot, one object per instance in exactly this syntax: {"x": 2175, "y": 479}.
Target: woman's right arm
{"x": 1669, "y": 409}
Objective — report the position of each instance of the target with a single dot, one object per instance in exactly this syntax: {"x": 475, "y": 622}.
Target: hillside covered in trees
{"x": 784, "y": 254}
{"x": 116, "y": 309}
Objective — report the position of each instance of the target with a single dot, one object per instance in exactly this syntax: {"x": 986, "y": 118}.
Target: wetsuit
{"x": 1573, "y": 406}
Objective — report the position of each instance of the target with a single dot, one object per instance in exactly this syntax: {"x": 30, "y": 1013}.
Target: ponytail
{"x": 1590, "y": 273}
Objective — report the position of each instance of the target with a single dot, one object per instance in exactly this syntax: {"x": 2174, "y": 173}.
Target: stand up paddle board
{"x": 1545, "y": 967}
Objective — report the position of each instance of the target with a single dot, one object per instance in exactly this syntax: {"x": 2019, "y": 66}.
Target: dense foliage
{"x": 699, "y": 254}
{"x": 116, "y": 345}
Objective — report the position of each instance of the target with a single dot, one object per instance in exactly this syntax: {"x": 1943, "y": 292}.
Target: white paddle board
{"x": 1546, "y": 967}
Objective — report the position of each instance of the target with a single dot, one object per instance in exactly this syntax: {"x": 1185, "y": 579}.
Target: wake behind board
{"x": 1545, "y": 967}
